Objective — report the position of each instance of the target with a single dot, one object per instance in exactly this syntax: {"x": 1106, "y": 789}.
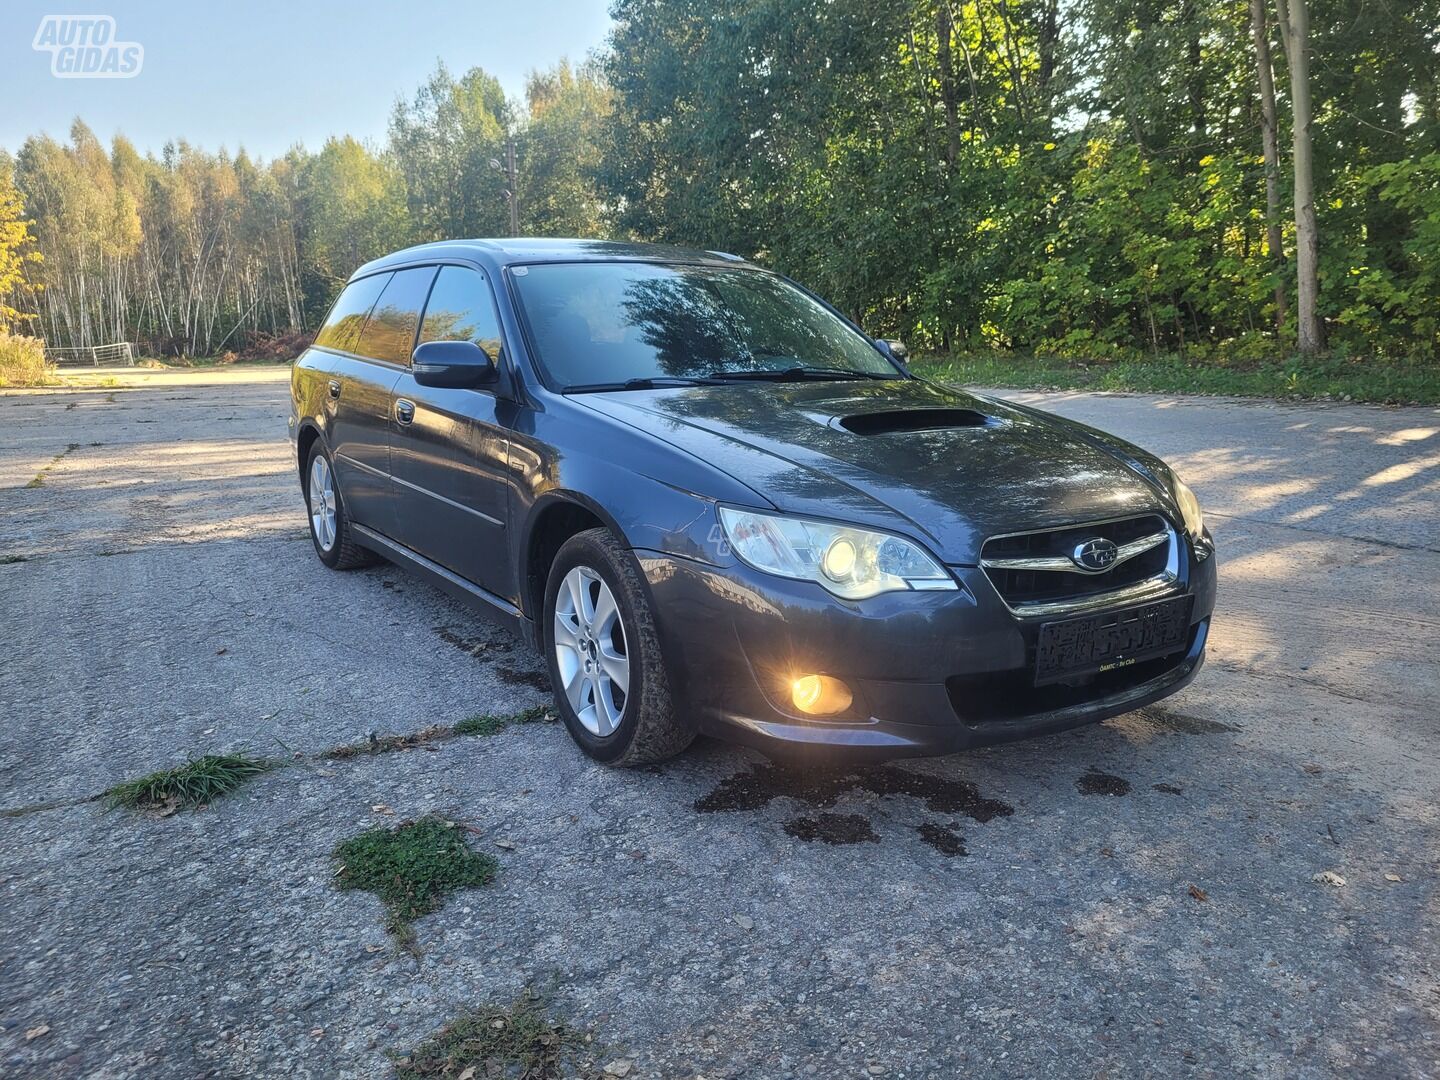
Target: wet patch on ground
{"x": 943, "y": 837}
{"x": 1096, "y": 782}
{"x": 540, "y": 680}
{"x": 832, "y": 829}
{"x": 761, "y": 784}
{"x": 1179, "y": 723}
{"x": 476, "y": 647}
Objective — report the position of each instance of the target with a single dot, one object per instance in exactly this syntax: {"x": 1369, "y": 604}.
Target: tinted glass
{"x": 389, "y": 333}
{"x": 460, "y": 309}
{"x": 343, "y": 324}
{"x": 609, "y": 322}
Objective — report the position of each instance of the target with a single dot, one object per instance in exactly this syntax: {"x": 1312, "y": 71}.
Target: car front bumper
{"x": 931, "y": 672}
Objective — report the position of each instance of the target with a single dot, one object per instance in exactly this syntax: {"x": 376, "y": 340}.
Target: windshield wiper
{"x": 797, "y": 374}
{"x": 648, "y": 382}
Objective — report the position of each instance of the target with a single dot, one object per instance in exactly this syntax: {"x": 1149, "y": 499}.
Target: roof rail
{"x": 724, "y": 255}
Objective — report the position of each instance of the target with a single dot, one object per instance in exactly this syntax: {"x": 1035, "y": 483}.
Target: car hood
{"x": 956, "y": 467}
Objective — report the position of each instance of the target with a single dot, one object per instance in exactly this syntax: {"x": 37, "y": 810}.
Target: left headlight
{"x": 1189, "y": 509}
{"x": 851, "y": 563}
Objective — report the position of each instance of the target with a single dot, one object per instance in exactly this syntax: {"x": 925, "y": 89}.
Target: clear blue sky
{"x": 266, "y": 74}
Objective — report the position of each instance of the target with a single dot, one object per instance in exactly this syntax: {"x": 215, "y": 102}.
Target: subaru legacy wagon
{"x": 716, "y": 506}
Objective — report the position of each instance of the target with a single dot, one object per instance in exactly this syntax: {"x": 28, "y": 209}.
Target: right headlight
{"x": 1189, "y": 509}
{"x": 850, "y": 562}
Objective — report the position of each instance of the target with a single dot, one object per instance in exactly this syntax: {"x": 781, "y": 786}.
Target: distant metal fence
{"x": 118, "y": 354}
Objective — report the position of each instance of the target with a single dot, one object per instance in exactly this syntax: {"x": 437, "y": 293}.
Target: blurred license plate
{"x": 1113, "y": 640}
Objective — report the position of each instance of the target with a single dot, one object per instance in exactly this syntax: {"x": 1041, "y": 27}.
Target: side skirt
{"x": 495, "y": 607}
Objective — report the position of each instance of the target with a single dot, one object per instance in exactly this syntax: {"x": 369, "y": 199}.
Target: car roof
{"x": 495, "y": 255}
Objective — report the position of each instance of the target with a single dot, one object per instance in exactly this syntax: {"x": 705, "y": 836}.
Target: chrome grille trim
{"x": 1060, "y": 562}
{"x": 1155, "y": 587}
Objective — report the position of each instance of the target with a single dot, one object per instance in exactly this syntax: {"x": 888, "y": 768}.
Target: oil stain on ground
{"x": 942, "y": 837}
{"x": 1095, "y": 782}
{"x": 761, "y": 784}
{"x": 832, "y": 829}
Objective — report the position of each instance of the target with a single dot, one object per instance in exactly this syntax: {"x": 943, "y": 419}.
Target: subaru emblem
{"x": 1095, "y": 555}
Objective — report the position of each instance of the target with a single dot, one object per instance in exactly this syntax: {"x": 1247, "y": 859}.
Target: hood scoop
{"x": 893, "y": 421}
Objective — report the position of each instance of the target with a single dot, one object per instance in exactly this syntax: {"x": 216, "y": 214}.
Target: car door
{"x": 448, "y": 452}
{"x": 358, "y": 402}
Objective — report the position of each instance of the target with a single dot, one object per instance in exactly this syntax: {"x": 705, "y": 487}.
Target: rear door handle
{"x": 334, "y": 388}
{"x": 404, "y": 411}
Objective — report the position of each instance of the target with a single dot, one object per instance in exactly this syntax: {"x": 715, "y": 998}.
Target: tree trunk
{"x": 947, "y": 83}
{"x": 1270, "y": 144}
{"x": 1295, "y": 33}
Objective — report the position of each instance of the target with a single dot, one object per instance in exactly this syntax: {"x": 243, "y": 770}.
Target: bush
{"x": 22, "y": 361}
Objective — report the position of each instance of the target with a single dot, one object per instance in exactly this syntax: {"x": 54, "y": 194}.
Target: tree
{"x": 17, "y": 253}
{"x": 1294, "y": 20}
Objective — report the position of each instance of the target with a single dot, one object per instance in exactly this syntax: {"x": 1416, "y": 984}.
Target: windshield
{"x": 611, "y": 323}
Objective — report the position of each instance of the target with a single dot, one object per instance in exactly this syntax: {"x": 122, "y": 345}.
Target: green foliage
{"x": 519, "y": 1040}
{"x": 22, "y": 361}
{"x": 493, "y": 725}
{"x": 411, "y": 868}
{"x": 1083, "y": 179}
{"x": 197, "y": 782}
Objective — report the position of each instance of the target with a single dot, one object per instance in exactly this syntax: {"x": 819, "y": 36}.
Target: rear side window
{"x": 342, "y": 326}
{"x": 389, "y": 333}
{"x": 461, "y": 309}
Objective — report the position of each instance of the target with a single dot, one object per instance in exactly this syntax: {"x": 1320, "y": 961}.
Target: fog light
{"x": 820, "y": 695}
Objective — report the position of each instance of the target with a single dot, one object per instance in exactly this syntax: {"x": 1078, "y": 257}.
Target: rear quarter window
{"x": 342, "y": 327}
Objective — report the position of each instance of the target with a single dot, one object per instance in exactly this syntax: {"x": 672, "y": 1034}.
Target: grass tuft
{"x": 411, "y": 868}
{"x": 197, "y": 782}
{"x": 493, "y": 725}
{"x": 518, "y": 1040}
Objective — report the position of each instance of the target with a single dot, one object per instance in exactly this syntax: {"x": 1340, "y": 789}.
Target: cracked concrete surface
{"x": 708, "y": 917}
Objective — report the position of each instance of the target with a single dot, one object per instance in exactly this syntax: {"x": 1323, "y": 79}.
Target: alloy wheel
{"x": 322, "y": 502}
{"x": 591, "y": 651}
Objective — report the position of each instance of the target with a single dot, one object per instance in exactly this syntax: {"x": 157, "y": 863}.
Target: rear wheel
{"x": 604, "y": 655}
{"x": 329, "y": 524}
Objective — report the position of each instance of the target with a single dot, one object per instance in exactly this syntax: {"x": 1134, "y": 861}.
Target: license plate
{"x": 1116, "y": 639}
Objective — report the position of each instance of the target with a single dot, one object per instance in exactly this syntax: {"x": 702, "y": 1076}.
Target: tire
{"x": 637, "y": 726}
{"x": 341, "y": 552}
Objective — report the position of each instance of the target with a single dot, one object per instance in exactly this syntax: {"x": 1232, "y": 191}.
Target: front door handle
{"x": 334, "y": 388}
{"x": 404, "y": 411}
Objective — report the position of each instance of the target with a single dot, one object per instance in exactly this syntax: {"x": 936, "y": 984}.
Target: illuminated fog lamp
{"x": 820, "y": 695}
{"x": 839, "y": 559}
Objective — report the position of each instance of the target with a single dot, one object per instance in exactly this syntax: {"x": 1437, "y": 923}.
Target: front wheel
{"x": 604, "y": 655}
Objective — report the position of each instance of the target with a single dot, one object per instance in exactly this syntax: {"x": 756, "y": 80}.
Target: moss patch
{"x": 493, "y": 725}
{"x": 199, "y": 781}
{"x": 411, "y": 868}
{"x": 518, "y": 1040}
{"x": 385, "y": 744}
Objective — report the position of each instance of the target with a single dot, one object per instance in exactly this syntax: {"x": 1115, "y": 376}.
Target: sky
{"x": 267, "y": 74}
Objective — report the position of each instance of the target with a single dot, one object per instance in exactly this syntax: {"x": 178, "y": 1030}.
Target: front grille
{"x": 1035, "y": 570}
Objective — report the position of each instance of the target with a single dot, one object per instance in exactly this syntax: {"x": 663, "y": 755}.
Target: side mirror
{"x": 894, "y": 349}
{"x": 453, "y": 364}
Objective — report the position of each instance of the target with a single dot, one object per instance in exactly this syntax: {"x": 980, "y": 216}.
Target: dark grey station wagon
{"x": 716, "y": 506}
